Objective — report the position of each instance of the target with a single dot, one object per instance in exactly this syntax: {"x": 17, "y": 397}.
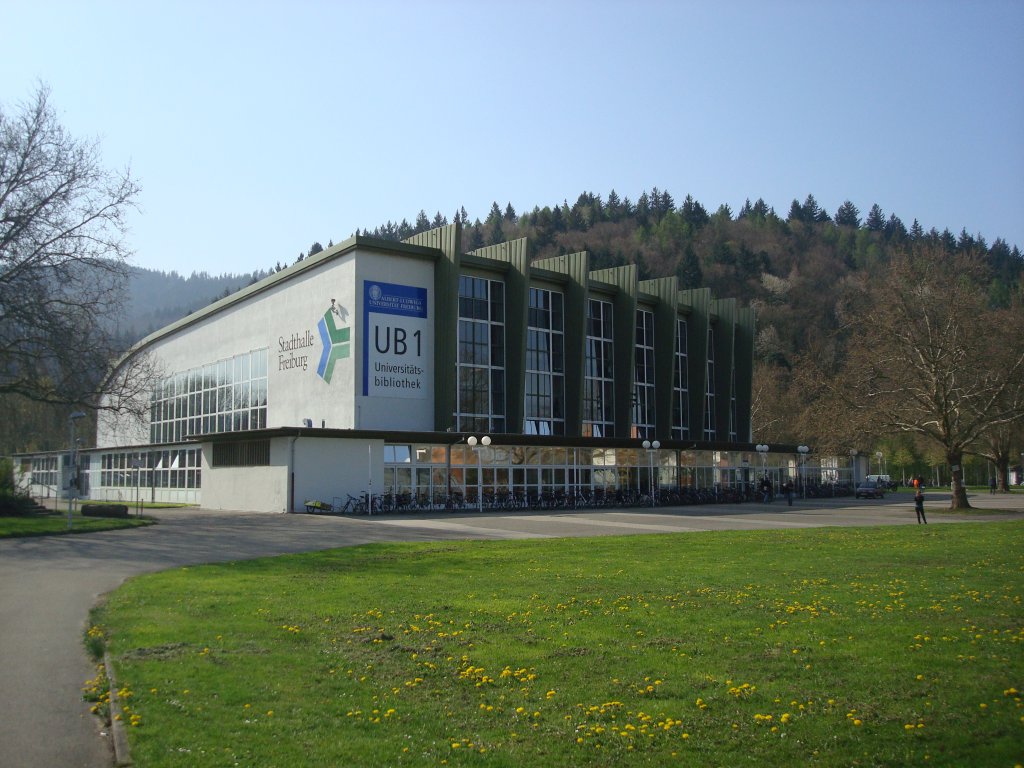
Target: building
{"x": 375, "y": 366}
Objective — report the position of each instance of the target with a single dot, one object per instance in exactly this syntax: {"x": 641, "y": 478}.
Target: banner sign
{"x": 396, "y": 341}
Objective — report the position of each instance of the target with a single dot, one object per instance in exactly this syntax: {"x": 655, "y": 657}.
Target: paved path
{"x": 48, "y": 584}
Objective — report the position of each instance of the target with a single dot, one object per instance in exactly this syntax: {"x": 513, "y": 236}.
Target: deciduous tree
{"x": 63, "y": 262}
{"x": 927, "y": 355}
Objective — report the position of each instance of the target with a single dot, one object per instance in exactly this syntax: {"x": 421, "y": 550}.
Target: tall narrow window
{"x": 681, "y": 386}
{"x": 709, "y": 389}
{"x": 598, "y": 383}
{"x": 543, "y": 407}
{"x": 643, "y": 376}
{"x": 480, "y": 393}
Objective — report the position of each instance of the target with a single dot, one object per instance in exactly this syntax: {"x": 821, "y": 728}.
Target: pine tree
{"x": 493, "y": 232}
{"x": 690, "y": 273}
{"x": 848, "y": 215}
{"x": 613, "y": 207}
{"x": 693, "y": 213}
{"x": 812, "y": 211}
{"x": 875, "y": 221}
{"x": 422, "y": 222}
{"x": 894, "y": 229}
{"x": 667, "y": 204}
{"x": 643, "y": 209}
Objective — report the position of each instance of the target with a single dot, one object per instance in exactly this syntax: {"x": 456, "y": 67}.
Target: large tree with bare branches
{"x": 926, "y": 354}
{"x": 63, "y": 263}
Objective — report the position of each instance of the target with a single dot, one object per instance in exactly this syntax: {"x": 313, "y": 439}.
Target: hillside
{"x": 156, "y": 299}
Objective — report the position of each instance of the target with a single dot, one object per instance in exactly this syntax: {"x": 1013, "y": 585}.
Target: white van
{"x": 883, "y": 480}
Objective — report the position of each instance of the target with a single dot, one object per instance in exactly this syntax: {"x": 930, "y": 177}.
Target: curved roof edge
{"x": 271, "y": 281}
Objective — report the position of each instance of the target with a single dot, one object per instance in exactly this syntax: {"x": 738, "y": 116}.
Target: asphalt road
{"x": 48, "y": 584}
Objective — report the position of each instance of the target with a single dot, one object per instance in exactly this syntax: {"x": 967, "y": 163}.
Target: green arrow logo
{"x": 335, "y": 342}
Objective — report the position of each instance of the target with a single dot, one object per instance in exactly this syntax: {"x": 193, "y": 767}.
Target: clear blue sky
{"x": 256, "y": 128}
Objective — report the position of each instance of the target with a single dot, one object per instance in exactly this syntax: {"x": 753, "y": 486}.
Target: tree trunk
{"x": 1003, "y": 474}
{"x": 959, "y": 498}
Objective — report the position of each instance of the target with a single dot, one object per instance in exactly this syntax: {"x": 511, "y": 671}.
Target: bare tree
{"x": 926, "y": 355}
{"x": 63, "y": 261}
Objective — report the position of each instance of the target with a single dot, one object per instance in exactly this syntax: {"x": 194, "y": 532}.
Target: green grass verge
{"x": 57, "y": 524}
{"x": 830, "y": 647}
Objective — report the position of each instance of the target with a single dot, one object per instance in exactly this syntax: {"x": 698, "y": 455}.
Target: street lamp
{"x": 484, "y": 441}
{"x": 651, "y": 447}
{"x": 803, "y": 450}
{"x": 878, "y": 455}
{"x": 72, "y": 462}
{"x": 762, "y": 449}
{"x": 853, "y": 466}
{"x": 137, "y": 466}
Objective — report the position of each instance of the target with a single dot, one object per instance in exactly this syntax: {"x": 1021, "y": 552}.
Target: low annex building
{"x": 368, "y": 366}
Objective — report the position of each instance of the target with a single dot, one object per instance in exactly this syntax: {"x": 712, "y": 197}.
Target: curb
{"x": 122, "y": 755}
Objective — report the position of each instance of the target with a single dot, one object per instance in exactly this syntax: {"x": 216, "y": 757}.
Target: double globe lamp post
{"x": 478, "y": 445}
{"x": 651, "y": 446}
{"x": 803, "y": 450}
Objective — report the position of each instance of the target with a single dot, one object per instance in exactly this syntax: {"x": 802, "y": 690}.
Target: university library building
{"x": 431, "y": 378}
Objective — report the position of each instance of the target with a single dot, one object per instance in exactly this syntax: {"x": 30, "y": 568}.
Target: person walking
{"x": 788, "y": 487}
{"x": 919, "y": 507}
{"x": 992, "y": 484}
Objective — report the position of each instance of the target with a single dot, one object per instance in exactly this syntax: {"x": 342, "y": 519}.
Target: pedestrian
{"x": 919, "y": 507}
{"x": 788, "y": 487}
{"x": 992, "y": 484}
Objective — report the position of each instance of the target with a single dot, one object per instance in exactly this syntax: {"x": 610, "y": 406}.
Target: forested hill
{"x": 156, "y": 299}
{"x": 784, "y": 266}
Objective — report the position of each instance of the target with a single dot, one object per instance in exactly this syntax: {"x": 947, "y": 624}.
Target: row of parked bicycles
{"x": 597, "y": 498}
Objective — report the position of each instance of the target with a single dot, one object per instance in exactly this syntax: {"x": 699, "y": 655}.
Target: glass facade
{"x": 229, "y": 395}
{"x": 544, "y": 394}
{"x": 480, "y": 390}
{"x": 598, "y": 383}
{"x": 643, "y": 377}
{"x": 433, "y": 476}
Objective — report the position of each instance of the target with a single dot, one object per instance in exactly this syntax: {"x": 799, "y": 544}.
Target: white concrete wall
{"x": 324, "y": 469}
{"x": 247, "y": 489}
{"x": 329, "y": 469}
{"x": 284, "y": 319}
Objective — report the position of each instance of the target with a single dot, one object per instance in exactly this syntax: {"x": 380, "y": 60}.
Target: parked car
{"x": 870, "y": 490}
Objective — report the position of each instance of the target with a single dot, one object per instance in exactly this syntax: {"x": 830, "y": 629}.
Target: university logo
{"x": 335, "y": 342}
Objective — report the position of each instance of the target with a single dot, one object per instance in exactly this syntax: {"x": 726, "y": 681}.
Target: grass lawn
{"x": 886, "y": 646}
{"x": 47, "y": 525}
